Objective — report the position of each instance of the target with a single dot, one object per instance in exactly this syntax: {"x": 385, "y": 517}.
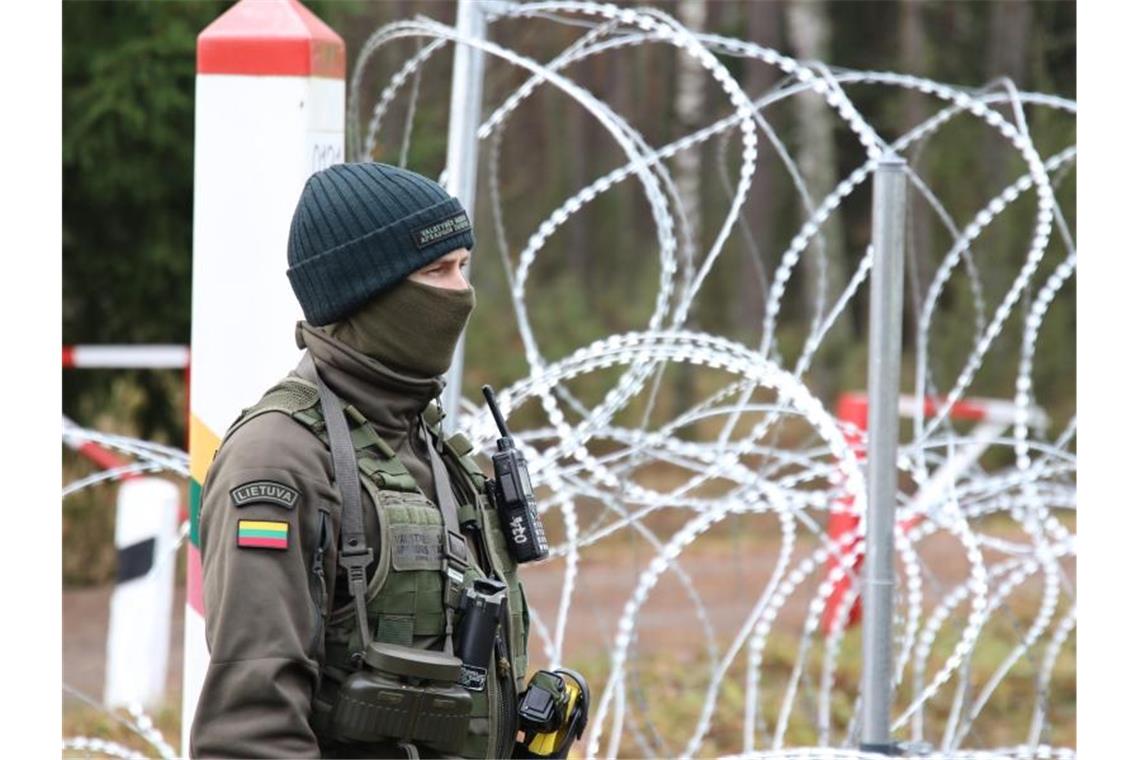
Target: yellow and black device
{"x": 553, "y": 713}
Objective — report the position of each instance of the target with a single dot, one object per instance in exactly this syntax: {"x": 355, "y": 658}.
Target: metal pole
{"x": 463, "y": 154}
{"x": 887, "y": 236}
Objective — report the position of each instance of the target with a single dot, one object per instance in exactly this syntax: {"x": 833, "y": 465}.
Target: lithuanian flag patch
{"x": 263, "y": 534}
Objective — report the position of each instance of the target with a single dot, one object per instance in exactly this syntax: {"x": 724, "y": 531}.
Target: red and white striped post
{"x": 991, "y": 417}
{"x": 269, "y": 112}
{"x": 146, "y": 533}
{"x": 138, "y": 632}
{"x": 138, "y": 628}
{"x": 104, "y": 459}
{"x": 851, "y": 409}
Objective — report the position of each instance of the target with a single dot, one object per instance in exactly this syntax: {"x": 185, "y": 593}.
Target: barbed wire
{"x": 1008, "y": 525}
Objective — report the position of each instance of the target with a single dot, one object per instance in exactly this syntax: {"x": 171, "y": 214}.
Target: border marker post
{"x": 138, "y": 633}
{"x": 269, "y": 112}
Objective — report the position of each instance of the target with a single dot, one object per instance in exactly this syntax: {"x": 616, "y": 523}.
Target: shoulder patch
{"x": 263, "y": 534}
{"x": 265, "y": 491}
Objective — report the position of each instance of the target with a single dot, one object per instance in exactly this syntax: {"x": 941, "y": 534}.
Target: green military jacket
{"x": 269, "y": 508}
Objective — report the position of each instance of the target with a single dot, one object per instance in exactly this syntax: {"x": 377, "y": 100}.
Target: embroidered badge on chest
{"x": 262, "y": 491}
{"x": 263, "y": 534}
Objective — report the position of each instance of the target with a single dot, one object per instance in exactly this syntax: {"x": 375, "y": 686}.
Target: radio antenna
{"x": 490, "y": 396}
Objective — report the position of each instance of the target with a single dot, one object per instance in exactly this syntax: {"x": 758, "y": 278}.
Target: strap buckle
{"x": 455, "y": 565}
{"x": 355, "y": 563}
{"x": 357, "y": 560}
{"x": 354, "y": 551}
{"x": 455, "y": 549}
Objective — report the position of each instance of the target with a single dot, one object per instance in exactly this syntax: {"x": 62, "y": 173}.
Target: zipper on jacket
{"x": 318, "y": 572}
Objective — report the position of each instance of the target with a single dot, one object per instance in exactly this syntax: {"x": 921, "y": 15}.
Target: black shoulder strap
{"x": 455, "y": 557}
{"x": 354, "y": 552}
{"x": 446, "y": 499}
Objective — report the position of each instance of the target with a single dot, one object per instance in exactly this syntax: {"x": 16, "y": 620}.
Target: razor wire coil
{"x": 589, "y": 452}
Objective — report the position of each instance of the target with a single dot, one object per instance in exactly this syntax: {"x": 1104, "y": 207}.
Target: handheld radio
{"x": 513, "y": 496}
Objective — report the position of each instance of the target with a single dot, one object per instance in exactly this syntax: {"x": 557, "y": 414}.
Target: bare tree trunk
{"x": 1008, "y": 45}
{"x": 577, "y": 144}
{"x": 688, "y": 104}
{"x": 762, "y": 26}
{"x": 1009, "y": 39}
{"x": 1007, "y": 55}
{"x": 914, "y": 61}
{"x": 809, "y": 31}
{"x": 618, "y": 92}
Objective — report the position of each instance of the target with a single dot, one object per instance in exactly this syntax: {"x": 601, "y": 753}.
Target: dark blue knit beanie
{"x": 361, "y": 228}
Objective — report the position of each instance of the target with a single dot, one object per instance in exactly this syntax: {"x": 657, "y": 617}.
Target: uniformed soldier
{"x": 375, "y": 256}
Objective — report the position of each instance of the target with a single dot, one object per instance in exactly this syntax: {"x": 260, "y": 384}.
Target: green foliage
{"x": 128, "y": 139}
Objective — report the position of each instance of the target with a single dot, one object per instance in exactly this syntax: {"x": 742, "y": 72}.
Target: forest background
{"x": 128, "y": 143}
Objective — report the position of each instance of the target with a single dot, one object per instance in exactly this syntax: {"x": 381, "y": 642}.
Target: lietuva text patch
{"x": 436, "y": 231}
{"x": 263, "y": 534}
{"x": 265, "y": 490}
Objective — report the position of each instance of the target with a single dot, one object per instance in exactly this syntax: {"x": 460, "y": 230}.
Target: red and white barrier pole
{"x": 126, "y": 357}
{"x": 104, "y": 459}
{"x": 269, "y": 112}
{"x": 851, "y": 409}
{"x": 133, "y": 356}
{"x": 992, "y": 416}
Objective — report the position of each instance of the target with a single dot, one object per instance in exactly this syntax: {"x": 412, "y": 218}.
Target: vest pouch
{"x": 403, "y": 694}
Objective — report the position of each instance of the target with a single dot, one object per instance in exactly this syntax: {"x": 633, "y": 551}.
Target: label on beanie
{"x": 436, "y": 231}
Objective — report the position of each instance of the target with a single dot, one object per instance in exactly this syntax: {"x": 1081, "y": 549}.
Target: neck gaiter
{"x": 412, "y": 327}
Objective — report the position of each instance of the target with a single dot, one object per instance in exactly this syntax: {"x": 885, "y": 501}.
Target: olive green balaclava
{"x": 411, "y": 327}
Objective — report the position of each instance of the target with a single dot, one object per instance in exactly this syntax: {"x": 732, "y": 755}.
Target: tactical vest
{"x": 405, "y": 595}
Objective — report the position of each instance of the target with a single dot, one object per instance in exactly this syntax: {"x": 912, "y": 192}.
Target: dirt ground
{"x": 86, "y": 613}
{"x": 728, "y": 569}
{"x": 729, "y": 576}
{"x": 600, "y": 592}
{"x": 729, "y": 579}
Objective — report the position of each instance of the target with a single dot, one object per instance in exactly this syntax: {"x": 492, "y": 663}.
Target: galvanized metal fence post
{"x": 463, "y": 154}
{"x": 887, "y": 236}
